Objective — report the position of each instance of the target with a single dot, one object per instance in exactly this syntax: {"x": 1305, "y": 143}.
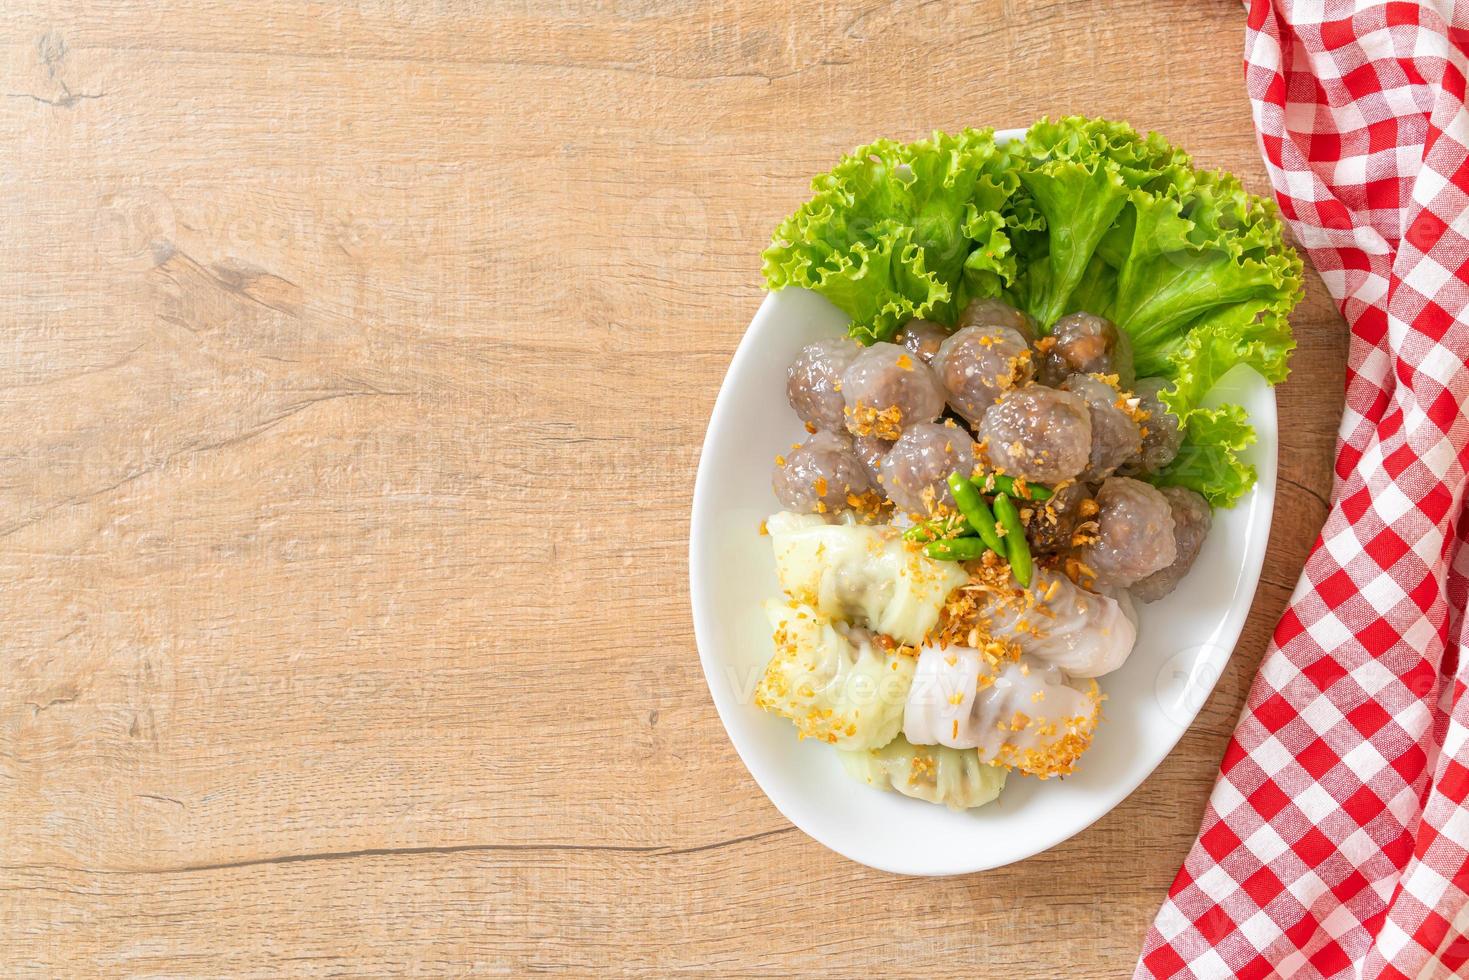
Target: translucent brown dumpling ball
{"x": 921, "y": 338}
{"x": 996, "y": 313}
{"x": 814, "y": 381}
{"x": 821, "y": 475}
{"x": 1116, "y": 437}
{"x": 1161, "y": 437}
{"x": 916, "y": 470}
{"x": 1081, "y": 343}
{"x": 979, "y": 364}
{"x": 870, "y": 450}
{"x": 1043, "y": 434}
{"x": 1192, "y": 518}
{"x": 1054, "y": 521}
{"x": 1134, "y": 533}
{"x": 886, "y": 389}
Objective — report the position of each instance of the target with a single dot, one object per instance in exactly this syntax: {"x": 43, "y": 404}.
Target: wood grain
{"x": 355, "y": 368}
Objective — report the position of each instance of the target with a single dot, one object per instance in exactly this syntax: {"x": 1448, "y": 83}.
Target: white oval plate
{"x": 1183, "y": 645}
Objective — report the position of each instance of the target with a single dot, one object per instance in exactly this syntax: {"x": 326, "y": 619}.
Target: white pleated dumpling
{"x": 1020, "y": 713}
{"x": 832, "y": 681}
{"x": 865, "y": 574}
{"x": 1084, "y": 633}
{"x": 954, "y": 777}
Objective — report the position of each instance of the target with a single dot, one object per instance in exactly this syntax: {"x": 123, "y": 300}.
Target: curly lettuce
{"x": 892, "y": 228}
{"x": 1083, "y": 214}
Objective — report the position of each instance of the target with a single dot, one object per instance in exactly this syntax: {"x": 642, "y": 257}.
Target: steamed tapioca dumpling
{"x": 997, "y": 313}
{"x": 1054, "y": 521}
{"x": 915, "y": 471}
{"x": 886, "y": 389}
{"x": 1161, "y": 437}
{"x": 1116, "y": 437}
{"x": 978, "y": 364}
{"x": 1043, "y": 434}
{"x": 921, "y": 338}
{"x": 871, "y": 450}
{"x": 1192, "y": 518}
{"x": 823, "y": 476}
{"x": 814, "y": 381}
{"x": 1080, "y": 343}
{"x": 1134, "y": 535}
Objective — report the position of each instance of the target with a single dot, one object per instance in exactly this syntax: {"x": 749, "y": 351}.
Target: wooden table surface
{"x": 354, "y": 371}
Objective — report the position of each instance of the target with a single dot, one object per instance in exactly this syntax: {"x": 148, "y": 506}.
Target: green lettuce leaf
{"x": 893, "y": 227}
{"x": 1199, "y": 252}
{"x": 881, "y": 280}
{"x": 1206, "y": 282}
{"x": 1208, "y": 461}
{"x": 1081, "y": 175}
{"x": 1083, "y": 214}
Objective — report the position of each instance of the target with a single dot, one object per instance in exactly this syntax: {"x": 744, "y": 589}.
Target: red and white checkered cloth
{"x": 1336, "y": 841}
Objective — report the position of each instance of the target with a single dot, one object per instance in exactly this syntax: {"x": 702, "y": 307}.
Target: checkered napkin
{"x": 1336, "y": 841}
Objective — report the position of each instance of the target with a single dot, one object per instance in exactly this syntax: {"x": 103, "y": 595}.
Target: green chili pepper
{"x": 975, "y": 511}
{"x": 1008, "y": 485}
{"x": 957, "y": 549}
{"x": 1017, "y": 547}
{"x": 922, "y": 531}
{"x": 934, "y": 530}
